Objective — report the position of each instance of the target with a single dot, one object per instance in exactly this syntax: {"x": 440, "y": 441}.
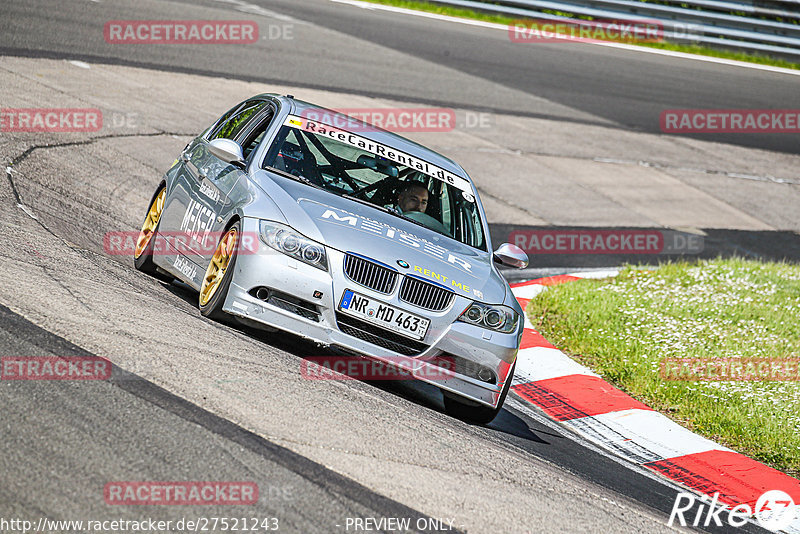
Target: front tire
{"x": 217, "y": 280}
{"x": 148, "y": 235}
{"x": 474, "y": 413}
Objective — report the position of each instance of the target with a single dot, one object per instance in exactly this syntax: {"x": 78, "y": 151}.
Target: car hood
{"x": 350, "y": 226}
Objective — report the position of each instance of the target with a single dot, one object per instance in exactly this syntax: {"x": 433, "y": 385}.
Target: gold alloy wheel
{"x": 150, "y": 223}
{"x": 219, "y": 263}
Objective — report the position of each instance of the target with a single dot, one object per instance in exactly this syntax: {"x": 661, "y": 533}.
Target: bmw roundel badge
{"x": 403, "y": 264}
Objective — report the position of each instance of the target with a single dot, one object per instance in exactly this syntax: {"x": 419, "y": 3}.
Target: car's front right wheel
{"x": 475, "y": 413}
{"x": 214, "y": 288}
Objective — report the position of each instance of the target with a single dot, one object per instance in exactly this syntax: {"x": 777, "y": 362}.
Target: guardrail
{"x": 770, "y": 27}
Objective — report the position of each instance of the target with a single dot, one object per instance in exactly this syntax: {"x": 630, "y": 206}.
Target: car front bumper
{"x": 322, "y": 290}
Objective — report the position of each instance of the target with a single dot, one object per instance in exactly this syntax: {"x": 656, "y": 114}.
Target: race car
{"x": 293, "y": 217}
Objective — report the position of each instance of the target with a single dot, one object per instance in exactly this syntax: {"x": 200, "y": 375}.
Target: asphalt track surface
{"x": 77, "y": 435}
{"x": 320, "y": 453}
{"x": 401, "y": 57}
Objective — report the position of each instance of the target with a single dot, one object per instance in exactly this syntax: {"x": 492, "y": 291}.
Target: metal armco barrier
{"x": 767, "y": 26}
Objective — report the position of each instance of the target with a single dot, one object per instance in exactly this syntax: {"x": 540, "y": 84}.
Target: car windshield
{"x": 349, "y": 165}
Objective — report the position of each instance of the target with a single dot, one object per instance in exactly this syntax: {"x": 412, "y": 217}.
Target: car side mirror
{"x": 511, "y": 255}
{"x": 228, "y": 151}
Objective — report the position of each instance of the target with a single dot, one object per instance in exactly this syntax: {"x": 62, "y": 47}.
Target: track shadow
{"x": 508, "y": 422}
{"x": 420, "y": 393}
{"x": 510, "y": 427}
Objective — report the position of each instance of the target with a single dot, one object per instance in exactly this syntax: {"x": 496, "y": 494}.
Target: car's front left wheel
{"x": 219, "y": 273}
{"x": 475, "y": 413}
{"x": 148, "y": 235}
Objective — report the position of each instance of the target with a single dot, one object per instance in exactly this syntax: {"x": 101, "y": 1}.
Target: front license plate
{"x": 376, "y": 312}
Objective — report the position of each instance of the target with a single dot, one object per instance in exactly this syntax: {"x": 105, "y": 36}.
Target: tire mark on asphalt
{"x": 28, "y": 211}
{"x": 339, "y": 488}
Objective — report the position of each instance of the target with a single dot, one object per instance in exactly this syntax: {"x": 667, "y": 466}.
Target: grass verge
{"x": 713, "y": 311}
{"x": 421, "y": 5}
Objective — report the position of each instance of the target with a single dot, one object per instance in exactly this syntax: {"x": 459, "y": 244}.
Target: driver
{"x": 412, "y": 196}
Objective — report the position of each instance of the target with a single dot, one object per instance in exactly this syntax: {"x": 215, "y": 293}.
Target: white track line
{"x": 542, "y": 363}
{"x": 595, "y": 275}
{"x": 654, "y": 431}
{"x": 528, "y": 292}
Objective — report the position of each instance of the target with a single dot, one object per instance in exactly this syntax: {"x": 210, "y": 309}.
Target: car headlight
{"x": 286, "y": 240}
{"x": 499, "y": 318}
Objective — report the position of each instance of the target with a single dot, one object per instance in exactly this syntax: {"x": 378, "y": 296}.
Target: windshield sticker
{"x": 382, "y": 150}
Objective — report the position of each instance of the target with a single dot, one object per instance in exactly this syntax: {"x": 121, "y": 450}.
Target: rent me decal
{"x": 455, "y": 284}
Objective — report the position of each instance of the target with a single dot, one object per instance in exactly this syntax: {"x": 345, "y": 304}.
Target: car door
{"x": 218, "y": 178}
{"x": 200, "y": 193}
{"x": 185, "y": 180}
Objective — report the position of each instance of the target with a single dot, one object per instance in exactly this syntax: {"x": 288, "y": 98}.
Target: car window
{"x": 252, "y": 139}
{"x": 377, "y": 174}
{"x": 235, "y": 123}
{"x": 295, "y": 157}
{"x": 249, "y": 146}
{"x": 469, "y": 229}
{"x": 222, "y": 120}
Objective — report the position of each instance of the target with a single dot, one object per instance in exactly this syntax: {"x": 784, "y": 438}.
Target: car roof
{"x": 373, "y": 133}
